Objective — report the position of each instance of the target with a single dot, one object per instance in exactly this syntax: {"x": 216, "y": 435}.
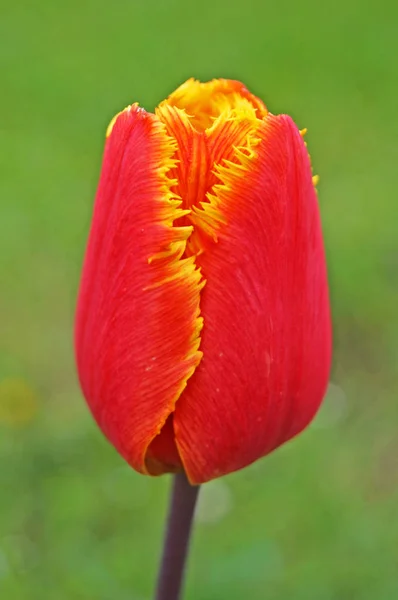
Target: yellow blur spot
{"x": 18, "y": 403}
{"x": 315, "y": 179}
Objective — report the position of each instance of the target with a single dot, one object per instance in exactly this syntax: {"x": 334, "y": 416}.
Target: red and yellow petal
{"x": 204, "y": 102}
{"x": 138, "y": 324}
{"x": 212, "y": 187}
{"x": 198, "y": 154}
{"x": 266, "y": 340}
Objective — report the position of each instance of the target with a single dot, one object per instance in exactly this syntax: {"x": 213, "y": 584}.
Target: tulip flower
{"x": 203, "y": 336}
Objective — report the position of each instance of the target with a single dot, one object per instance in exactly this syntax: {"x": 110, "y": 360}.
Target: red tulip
{"x": 203, "y": 335}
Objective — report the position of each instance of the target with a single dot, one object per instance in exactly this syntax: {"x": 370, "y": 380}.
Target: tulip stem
{"x": 176, "y": 543}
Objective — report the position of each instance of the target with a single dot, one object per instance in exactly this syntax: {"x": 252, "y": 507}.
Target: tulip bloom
{"x": 203, "y": 335}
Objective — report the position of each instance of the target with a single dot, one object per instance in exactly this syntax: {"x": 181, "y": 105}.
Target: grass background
{"x": 317, "y": 520}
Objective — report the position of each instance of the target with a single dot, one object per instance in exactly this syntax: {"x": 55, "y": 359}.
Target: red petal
{"x": 266, "y": 341}
{"x": 138, "y": 324}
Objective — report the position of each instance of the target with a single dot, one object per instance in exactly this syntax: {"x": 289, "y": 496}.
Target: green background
{"x": 317, "y": 520}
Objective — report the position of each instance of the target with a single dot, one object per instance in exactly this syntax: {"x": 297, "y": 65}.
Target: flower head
{"x": 203, "y": 335}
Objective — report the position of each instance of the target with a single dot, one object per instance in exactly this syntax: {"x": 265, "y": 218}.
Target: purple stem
{"x": 176, "y": 544}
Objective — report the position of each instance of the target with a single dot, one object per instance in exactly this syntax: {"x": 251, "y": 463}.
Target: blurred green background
{"x": 318, "y": 519}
